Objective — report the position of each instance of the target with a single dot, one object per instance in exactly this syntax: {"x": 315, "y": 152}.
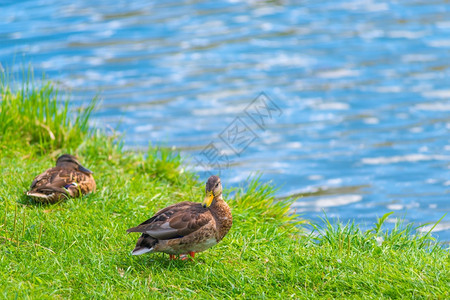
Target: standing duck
{"x": 186, "y": 227}
{"x": 68, "y": 179}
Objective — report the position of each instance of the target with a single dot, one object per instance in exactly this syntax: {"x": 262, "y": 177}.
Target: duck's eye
{"x": 217, "y": 184}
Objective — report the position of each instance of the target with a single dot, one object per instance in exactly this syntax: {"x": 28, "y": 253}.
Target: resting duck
{"x": 186, "y": 227}
{"x": 68, "y": 179}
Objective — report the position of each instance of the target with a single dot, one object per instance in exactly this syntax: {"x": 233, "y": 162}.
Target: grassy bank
{"x": 79, "y": 248}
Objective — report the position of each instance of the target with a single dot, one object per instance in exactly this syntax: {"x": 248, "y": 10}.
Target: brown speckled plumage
{"x": 67, "y": 179}
{"x": 186, "y": 227}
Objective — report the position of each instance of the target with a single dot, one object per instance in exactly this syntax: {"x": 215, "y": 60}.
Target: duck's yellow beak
{"x": 208, "y": 199}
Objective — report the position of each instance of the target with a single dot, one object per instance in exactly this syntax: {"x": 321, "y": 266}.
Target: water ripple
{"x": 362, "y": 87}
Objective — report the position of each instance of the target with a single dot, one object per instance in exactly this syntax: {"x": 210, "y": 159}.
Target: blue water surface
{"x": 358, "y": 91}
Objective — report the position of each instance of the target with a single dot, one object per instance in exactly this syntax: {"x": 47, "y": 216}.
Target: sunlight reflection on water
{"x": 362, "y": 85}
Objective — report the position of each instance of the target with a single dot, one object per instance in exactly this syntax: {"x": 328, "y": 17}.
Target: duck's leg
{"x": 186, "y": 256}
{"x": 183, "y": 256}
{"x": 172, "y": 257}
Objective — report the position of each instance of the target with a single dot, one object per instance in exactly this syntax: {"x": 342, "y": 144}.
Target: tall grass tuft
{"x": 36, "y": 116}
{"x": 259, "y": 198}
{"x": 349, "y": 236}
{"x": 162, "y": 163}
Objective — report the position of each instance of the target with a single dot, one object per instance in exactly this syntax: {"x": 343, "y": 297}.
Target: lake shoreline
{"x": 79, "y": 248}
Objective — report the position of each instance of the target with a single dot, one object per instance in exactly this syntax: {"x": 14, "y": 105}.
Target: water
{"x": 362, "y": 90}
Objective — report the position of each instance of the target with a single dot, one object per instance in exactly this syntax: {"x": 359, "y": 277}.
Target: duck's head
{"x": 70, "y": 161}
{"x": 213, "y": 190}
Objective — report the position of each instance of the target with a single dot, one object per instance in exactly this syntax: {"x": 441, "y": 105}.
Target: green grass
{"x": 80, "y": 249}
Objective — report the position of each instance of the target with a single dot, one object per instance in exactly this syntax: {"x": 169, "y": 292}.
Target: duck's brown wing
{"x": 54, "y": 177}
{"x": 175, "y": 221}
{"x": 41, "y": 179}
{"x": 57, "y": 180}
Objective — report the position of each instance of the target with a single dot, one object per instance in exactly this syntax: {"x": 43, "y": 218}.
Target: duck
{"x": 186, "y": 228}
{"x": 68, "y": 179}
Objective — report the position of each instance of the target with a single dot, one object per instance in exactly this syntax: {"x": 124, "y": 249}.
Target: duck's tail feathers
{"x": 141, "y": 250}
{"x": 144, "y": 244}
{"x": 41, "y": 197}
